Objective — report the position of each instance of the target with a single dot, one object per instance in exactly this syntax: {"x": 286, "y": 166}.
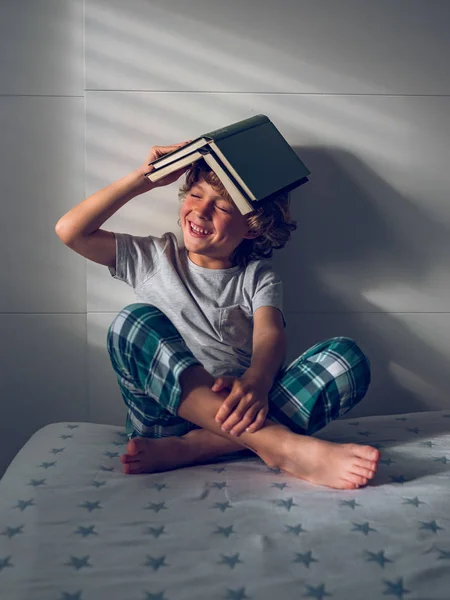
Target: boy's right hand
{"x": 157, "y": 152}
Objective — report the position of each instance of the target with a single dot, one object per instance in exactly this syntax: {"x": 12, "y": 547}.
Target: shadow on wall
{"x": 359, "y": 265}
{"x": 342, "y": 270}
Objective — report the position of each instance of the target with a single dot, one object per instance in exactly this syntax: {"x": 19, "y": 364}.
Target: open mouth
{"x": 198, "y": 232}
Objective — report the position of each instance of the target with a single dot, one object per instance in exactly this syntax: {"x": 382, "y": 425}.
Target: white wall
{"x": 359, "y": 88}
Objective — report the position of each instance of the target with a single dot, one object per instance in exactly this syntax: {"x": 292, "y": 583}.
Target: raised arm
{"x": 79, "y": 229}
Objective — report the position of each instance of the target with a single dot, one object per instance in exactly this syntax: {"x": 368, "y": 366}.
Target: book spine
{"x": 238, "y": 127}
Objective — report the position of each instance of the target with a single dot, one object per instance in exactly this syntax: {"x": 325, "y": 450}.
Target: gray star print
{"x": 287, "y": 504}
{"x": 395, "y": 589}
{"x": 159, "y": 596}
{"x": 351, "y": 503}
{"x": 23, "y": 504}
{"x": 363, "y": 527}
{"x": 157, "y": 506}
{"x": 432, "y": 526}
{"x": 414, "y": 501}
{"x": 98, "y": 484}
{"x": 156, "y": 531}
{"x": 12, "y": 531}
{"x": 156, "y": 563}
{"x": 231, "y": 561}
{"x": 226, "y": 531}
{"x": 318, "y": 592}
{"x": 219, "y": 485}
{"x": 4, "y": 562}
{"x": 57, "y": 450}
{"x": 47, "y": 465}
{"x": 222, "y": 506}
{"x": 37, "y": 482}
{"x": 295, "y": 529}
{"x": 67, "y": 596}
{"x": 78, "y": 563}
{"x": 377, "y": 557}
{"x": 86, "y": 531}
{"x": 237, "y": 594}
{"x": 280, "y": 486}
{"x": 159, "y": 486}
{"x": 90, "y": 506}
{"x": 305, "y": 559}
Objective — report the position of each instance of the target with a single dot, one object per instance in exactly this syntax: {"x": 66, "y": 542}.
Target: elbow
{"x": 63, "y": 232}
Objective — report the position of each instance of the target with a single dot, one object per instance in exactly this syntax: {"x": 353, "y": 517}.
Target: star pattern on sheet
{"x": 280, "y": 486}
{"x": 398, "y": 479}
{"x": 430, "y": 526}
{"x": 352, "y": 503}
{"x": 219, "y": 485}
{"x": 47, "y": 465}
{"x": 156, "y": 506}
{"x": 78, "y": 562}
{"x": 413, "y": 501}
{"x": 225, "y": 531}
{"x": 395, "y": 588}
{"x": 158, "y": 596}
{"x": 37, "y": 482}
{"x": 66, "y": 436}
{"x": 287, "y": 504}
{"x": 86, "y": 531}
{"x": 98, "y": 484}
{"x": 12, "y": 531}
{"x": 442, "y": 459}
{"x": 295, "y": 529}
{"x": 68, "y": 596}
{"x": 156, "y": 531}
{"x": 5, "y": 562}
{"x": 377, "y": 557}
{"x": 428, "y": 444}
{"x": 110, "y": 454}
{"x": 231, "y": 560}
{"x": 238, "y": 594}
{"x": 156, "y": 562}
{"x": 23, "y": 504}
{"x": 305, "y": 558}
{"x": 90, "y": 506}
{"x": 364, "y": 528}
{"x": 318, "y": 592}
{"x": 159, "y": 486}
{"x": 222, "y": 506}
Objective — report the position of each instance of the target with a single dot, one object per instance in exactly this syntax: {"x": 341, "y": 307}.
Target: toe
{"x": 133, "y": 447}
{"x": 367, "y": 452}
{"x": 356, "y": 479}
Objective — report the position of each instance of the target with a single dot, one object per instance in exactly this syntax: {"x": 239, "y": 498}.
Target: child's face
{"x": 225, "y": 225}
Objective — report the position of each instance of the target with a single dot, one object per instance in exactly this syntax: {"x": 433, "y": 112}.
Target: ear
{"x": 251, "y": 235}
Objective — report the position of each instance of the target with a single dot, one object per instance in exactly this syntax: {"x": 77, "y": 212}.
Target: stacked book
{"x": 251, "y": 158}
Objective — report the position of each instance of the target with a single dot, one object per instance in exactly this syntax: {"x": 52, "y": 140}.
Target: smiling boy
{"x": 199, "y": 356}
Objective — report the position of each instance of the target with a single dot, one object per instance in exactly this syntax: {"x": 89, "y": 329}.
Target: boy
{"x": 201, "y": 352}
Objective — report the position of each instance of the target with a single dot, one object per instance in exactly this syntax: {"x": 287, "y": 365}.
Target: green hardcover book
{"x": 250, "y": 157}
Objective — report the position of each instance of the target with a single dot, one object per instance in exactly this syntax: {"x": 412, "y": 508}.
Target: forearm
{"x": 90, "y": 214}
{"x": 269, "y": 353}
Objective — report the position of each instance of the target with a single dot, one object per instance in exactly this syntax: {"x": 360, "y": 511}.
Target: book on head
{"x": 250, "y": 157}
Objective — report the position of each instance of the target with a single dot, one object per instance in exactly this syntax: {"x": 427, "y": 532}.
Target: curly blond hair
{"x": 271, "y": 220}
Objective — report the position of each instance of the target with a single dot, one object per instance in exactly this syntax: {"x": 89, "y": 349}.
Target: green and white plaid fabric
{"x": 149, "y": 355}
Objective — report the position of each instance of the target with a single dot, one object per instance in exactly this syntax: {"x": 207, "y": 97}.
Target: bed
{"x": 74, "y": 527}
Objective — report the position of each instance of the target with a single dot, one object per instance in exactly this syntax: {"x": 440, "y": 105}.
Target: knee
{"x": 353, "y": 354}
{"x": 139, "y": 317}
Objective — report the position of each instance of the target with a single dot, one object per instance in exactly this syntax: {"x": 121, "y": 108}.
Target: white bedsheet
{"x": 74, "y": 527}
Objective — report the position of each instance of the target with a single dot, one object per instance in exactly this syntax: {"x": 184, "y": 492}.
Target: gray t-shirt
{"x": 211, "y": 308}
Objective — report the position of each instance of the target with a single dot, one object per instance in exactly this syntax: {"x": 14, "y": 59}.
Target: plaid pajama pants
{"x": 148, "y": 355}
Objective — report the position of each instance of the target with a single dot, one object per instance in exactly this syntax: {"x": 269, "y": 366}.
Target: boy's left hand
{"x": 246, "y": 406}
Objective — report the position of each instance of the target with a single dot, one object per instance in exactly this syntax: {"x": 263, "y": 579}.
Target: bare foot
{"x": 340, "y": 466}
{"x": 149, "y": 455}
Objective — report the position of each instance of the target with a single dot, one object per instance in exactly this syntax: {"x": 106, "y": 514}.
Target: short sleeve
{"x": 137, "y": 258}
{"x": 268, "y": 288}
